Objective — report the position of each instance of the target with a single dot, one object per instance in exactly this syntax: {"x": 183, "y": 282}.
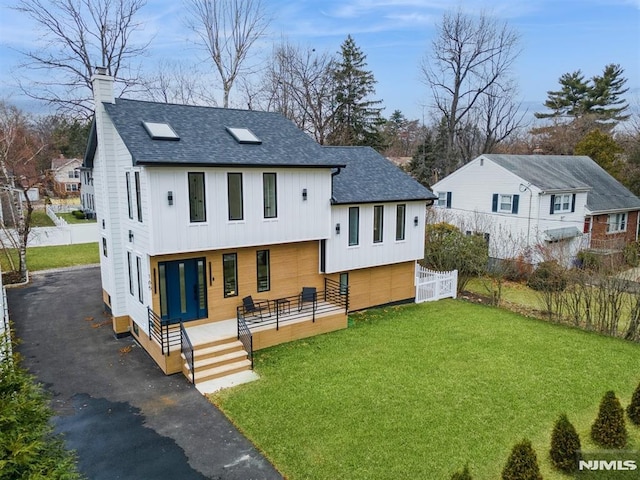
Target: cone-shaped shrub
{"x": 565, "y": 445}
{"x": 522, "y": 463}
{"x": 633, "y": 409}
{"x": 609, "y": 430}
{"x": 462, "y": 475}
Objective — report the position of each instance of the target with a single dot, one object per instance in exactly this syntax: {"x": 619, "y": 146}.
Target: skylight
{"x": 244, "y": 135}
{"x": 160, "y": 131}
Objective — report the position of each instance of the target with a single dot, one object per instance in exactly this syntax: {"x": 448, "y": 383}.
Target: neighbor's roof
{"x": 205, "y": 140}
{"x": 571, "y": 172}
{"x": 369, "y": 177}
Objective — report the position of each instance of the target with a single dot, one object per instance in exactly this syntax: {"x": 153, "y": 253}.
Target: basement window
{"x": 243, "y": 135}
{"x": 160, "y": 131}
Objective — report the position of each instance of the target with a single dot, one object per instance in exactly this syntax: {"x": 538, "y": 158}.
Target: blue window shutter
{"x": 573, "y": 203}
{"x": 514, "y": 205}
{"x": 553, "y": 200}
{"x": 448, "y": 199}
{"x": 494, "y": 205}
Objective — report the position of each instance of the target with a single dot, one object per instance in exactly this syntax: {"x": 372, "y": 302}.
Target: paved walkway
{"x": 116, "y": 408}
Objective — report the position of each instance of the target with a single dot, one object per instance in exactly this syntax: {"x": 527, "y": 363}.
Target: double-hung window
{"x": 197, "y": 200}
{"x": 269, "y": 195}
{"x": 562, "y": 203}
{"x": 617, "y": 222}
{"x": 378, "y": 221}
{"x": 234, "y": 196}
{"x": 506, "y": 202}
{"x": 400, "y": 221}
{"x": 354, "y": 226}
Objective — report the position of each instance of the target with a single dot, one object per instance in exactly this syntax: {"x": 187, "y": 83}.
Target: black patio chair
{"x": 254, "y": 309}
{"x": 308, "y": 294}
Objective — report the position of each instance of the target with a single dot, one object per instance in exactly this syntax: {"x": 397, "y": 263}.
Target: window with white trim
{"x": 562, "y": 203}
{"x": 505, "y": 204}
{"x": 617, "y": 222}
{"x": 378, "y": 220}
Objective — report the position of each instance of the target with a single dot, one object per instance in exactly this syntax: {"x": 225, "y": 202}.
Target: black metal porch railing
{"x": 166, "y": 332}
{"x": 334, "y": 298}
{"x": 187, "y": 350}
{"x": 245, "y": 336}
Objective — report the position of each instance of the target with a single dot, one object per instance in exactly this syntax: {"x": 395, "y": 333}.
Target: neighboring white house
{"x": 211, "y": 215}
{"x": 66, "y": 175}
{"x": 538, "y": 205}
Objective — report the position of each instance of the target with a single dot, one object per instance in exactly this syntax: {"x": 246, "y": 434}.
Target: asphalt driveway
{"x": 115, "y": 407}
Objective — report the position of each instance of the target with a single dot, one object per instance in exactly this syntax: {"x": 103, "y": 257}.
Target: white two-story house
{"x": 219, "y": 225}
{"x": 538, "y": 206}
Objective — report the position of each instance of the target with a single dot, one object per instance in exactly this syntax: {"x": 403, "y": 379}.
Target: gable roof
{"x": 59, "y": 163}
{"x": 571, "y": 172}
{"x": 204, "y": 139}
{"x": 369, "y": 177}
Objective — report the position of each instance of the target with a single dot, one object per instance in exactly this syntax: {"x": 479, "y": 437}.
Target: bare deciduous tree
{"x": 227, "y": 29}
{"x": 176, "y": 82}
{"x": 75, "y": 37}
{"x": 299, "y": 84}
{"x": 468, "y": 72}
{"x": 20, "y": 146}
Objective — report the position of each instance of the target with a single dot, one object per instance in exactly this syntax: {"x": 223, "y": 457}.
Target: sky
{"x": 557, "y": 37}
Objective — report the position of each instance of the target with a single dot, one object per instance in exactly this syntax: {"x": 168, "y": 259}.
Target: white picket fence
{"x": 431, "y": 285}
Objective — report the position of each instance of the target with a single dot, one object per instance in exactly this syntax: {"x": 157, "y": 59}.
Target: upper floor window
{"x": 234, "y": 196}
{"x": 138, "y": 195}
{"x": 269, "y": 195}
{"x": 378, "y": 221}
{"x": 505, "y": 203}
{"x": 197, "y": 203}
{"x": 129, "y": 201}
{"x": 444, "y": 199}
{"x": 74, "y": 174}
{"x": 617, "y": 222}
{"x": 354, "y": 225}
{"x": 563, "y": 203}
{"x": 140, "y": 283}
{"x": 400, "y": 221}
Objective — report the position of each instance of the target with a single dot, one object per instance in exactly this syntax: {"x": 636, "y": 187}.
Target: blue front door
{"x": 183, "y": 290}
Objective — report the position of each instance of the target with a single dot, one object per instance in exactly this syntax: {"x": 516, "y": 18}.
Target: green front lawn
{"x": 39, "y": 218}
{"x": 420, "y": 391}
{"x": 43, "y": 258}
{"x": 70, "y": 219}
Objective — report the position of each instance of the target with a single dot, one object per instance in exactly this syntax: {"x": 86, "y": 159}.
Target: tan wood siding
{"x": 292, "y": 266}
{"x": 369, "y": 287}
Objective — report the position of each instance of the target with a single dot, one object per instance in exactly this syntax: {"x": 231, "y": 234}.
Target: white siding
{"x": 297, "y": 219}
{"x": 472, "y": 188}
{"x": 340, "y": 257}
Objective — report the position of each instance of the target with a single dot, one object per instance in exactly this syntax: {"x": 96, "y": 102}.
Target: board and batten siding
{"x": 297, "y": 219}
{"x": 341, "y": 257}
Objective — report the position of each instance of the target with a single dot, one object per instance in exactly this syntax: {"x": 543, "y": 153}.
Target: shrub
{"x": 565, "y": 445}
{"x": 79, "y": 214}
{"x": 522, "y": 463}
{"x": 28, "y": 446}
{"x": 609, "y": 430}
{"x": 631, "y": 253}
{"x": 633, "y": 409}
{"x": 548, "y": 277}
{"x": 462, "y": 474}
{"x": 589, "y": 260}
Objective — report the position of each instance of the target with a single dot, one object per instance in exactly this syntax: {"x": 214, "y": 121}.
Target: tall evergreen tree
{"x": 357, "y": 118}
{"x": 599, "y": 97}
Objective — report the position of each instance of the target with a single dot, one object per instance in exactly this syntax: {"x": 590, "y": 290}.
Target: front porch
{"x": 224, "y": 349}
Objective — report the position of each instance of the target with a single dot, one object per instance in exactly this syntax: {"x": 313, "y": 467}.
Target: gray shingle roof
{"x": 565, "y": 173}
{"x": 205, "y": 140}
{"x": 369, "y": 177}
